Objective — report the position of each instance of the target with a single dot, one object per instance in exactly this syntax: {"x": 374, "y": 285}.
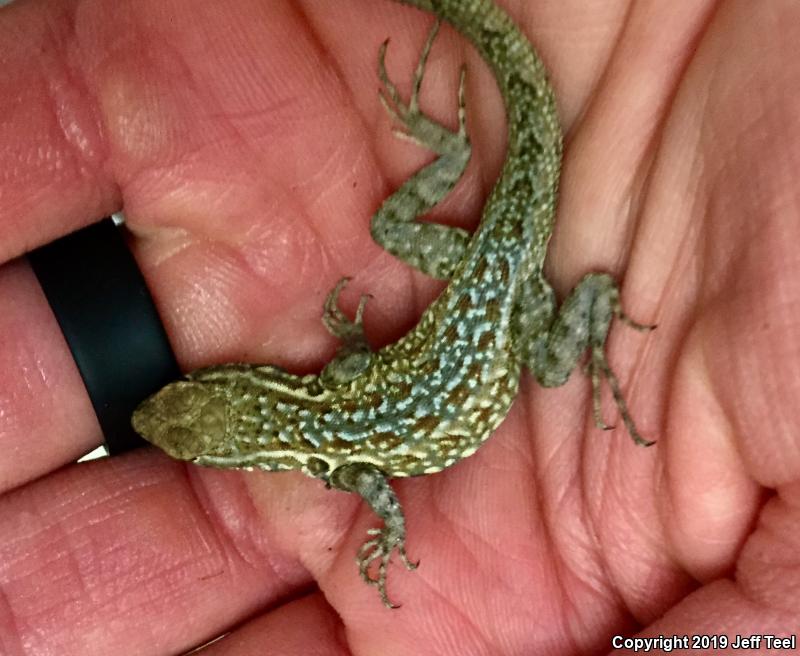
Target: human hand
{"x": 248, "y": 148}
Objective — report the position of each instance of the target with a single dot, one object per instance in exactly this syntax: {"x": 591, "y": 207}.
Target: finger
{"x": 46, "y": 418}
{"x": 127, "y": 555}
{"x": 53, "y": 157}
{"x": 54, "y": 179}
{"x": 305, "y": 626}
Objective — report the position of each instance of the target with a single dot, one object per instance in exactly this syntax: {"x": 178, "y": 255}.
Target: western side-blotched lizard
{"x": 427, "y": 401}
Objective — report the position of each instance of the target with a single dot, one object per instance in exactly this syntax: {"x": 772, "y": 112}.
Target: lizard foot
{"x": 354, "y": 354}
{"x": 379, "y": 549}
{"x": 597, "y": 367}
{"x": 415, "y": 125}
{"x": 336, "y": 321}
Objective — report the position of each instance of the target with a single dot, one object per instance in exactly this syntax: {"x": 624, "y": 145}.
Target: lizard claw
{"x": 380, "y": 549}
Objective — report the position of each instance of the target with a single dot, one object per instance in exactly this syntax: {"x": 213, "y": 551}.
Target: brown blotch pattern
{"x": 349, "y": 405}
{"x": 384, "y": 441}
{"x": 485, "y": 415}
{"x": 464, "y": 303}
{"x": 480, "y": 268}
{"x": 474, "y": 371}
{"x": 505, "y": 274}
{"x": 451, "y": 334}
{"x": 458, "y": 395}
{"x": 493, "y": 311}
{"x": 486, "y": 341}
{"x": 426, "y": 424}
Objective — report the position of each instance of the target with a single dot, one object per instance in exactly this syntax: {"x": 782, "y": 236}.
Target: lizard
{"x": 423, "y": 403}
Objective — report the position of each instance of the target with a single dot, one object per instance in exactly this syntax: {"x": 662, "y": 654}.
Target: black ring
{"x": 111, "y": 325}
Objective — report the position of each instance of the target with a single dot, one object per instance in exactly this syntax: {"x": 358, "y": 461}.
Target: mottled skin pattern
{"x": 429, "y": 400}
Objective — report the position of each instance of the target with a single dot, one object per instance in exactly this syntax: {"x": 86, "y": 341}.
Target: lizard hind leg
{"x": 582, "y": 322}
{"x": 432, "y": 248}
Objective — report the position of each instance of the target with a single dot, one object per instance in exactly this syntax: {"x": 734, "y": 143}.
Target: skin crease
{"x": 249, "y": 149}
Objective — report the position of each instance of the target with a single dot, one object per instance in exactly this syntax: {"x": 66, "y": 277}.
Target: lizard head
{"x": 184, "y": 419}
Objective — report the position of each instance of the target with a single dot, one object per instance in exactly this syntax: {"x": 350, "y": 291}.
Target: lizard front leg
{"x": 354, "y": 354}
{"x": 352, "y": 359}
